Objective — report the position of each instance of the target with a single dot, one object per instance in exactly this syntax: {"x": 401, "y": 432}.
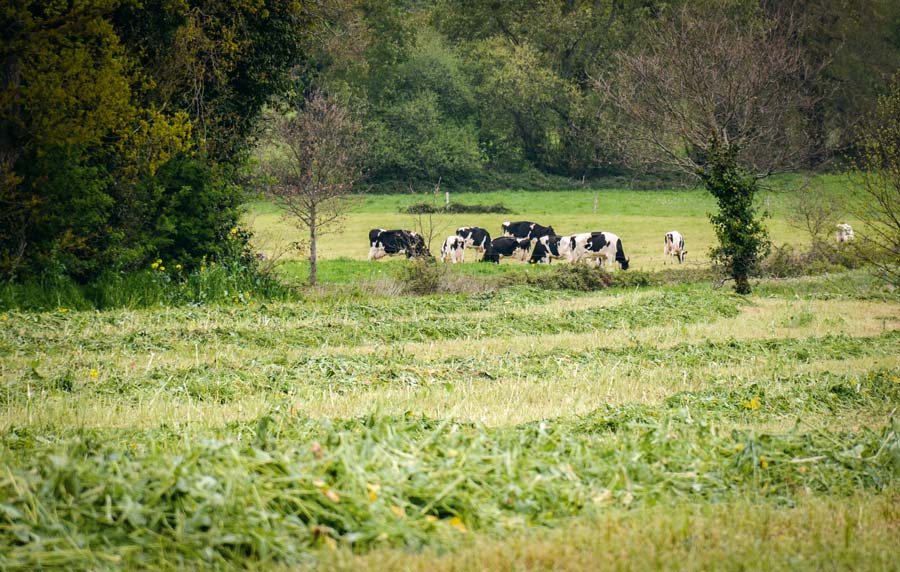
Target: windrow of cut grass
{"x": 272, "y": 490}
{"x": 345, "y": 372}
{"x": 305, "y": 326}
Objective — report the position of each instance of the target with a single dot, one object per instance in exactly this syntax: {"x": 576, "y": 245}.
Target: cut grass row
{"x": 271, "y": 490}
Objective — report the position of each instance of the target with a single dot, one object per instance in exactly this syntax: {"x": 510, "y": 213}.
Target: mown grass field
{"x": 667, "y": 427}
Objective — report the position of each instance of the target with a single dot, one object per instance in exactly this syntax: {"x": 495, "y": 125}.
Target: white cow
{"x": 844, "y": 232}
{"x": 454, "y": 248}
{"x": 673, "y": 245}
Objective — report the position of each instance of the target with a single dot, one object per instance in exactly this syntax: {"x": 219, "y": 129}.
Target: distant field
{"x": 640, "y": 218}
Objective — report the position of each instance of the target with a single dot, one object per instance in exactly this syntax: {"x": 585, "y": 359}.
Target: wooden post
{"x": 447, "y": 199}
{"x": 595, "y": 203}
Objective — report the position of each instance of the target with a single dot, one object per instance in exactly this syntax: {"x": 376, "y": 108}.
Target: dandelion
{"x": 739, "y": 447}
{"x": 373, "y": 490}
{"x": 62, "y": 310}
{"x": 752, "y": 405}
{"x": 162, "y": 268}
{"x": 398, "y": 511}
{"x": 3, "y": 317}
{"x": 155, "y": 265}
{"x": 763, "y": 463}
{"x": 457, "y": 523}
{"x": 234, "y": 230}
{"x": 94, "y": 373}
{"x": 896, "y": 379}
{"x": 178, "y": 267}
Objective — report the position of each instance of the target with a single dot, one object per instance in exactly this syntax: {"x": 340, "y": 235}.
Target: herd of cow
{"x": 523, "y": 240}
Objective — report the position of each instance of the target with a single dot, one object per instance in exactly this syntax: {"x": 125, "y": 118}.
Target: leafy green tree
{"x": 131, "y": 117}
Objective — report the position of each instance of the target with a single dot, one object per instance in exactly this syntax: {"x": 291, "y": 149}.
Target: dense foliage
{"x": 122, "y": 123}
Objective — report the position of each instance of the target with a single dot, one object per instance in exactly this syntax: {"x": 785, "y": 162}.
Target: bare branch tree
{"x": 719, "y": 98}
{"x": 315, "y": 161}
{"x": 430, "y": 224}
{"x": 878, "y": 206}
{"x": 704, "y": 76}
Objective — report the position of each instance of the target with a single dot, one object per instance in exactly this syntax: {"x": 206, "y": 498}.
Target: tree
{"x": 879, "y": 172}
{"x": 315, "y": 160}
{"x": 715, "y": 95}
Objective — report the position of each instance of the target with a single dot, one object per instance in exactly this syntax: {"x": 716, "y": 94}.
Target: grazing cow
{"x": 507, "y": 246}
{"x": 673, "y": 245}
{"x": 844, "y": 232}
{"x": 598, "y": 245}
{"x": 526, "y": 229}
{"x": 383, "y": 242}
{"x": 475, "y": 237}
{"x": 454, "y": 248}
{"x": 549, "y": 247}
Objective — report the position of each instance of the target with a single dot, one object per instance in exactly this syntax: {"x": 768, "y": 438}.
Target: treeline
{"x": 471, "y": 92}
{"x": 126, "y": 127}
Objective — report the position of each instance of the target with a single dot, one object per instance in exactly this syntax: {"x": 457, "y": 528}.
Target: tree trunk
{"x": 313, "y": 259}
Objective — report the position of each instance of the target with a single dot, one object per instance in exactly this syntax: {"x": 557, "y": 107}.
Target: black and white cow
{"x": 383, "y": 242}
{"x": 673, "y": 245}
{"x": 507, "y": 246}
{"x": 454, "y": 248}
{"x": 600, "y": 246}
{"x": 549, "y": 247}
{"x": 475, "y": 237}
{"x": 526, "y": 229}
{"x": 844, "y": 232}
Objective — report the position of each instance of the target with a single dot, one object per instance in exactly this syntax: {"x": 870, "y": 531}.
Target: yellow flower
{"x": 155, "y": 265}
{"x": 457, "y": 523}
{"x": 763, "y": 463}
{"x": 3, "y": 317}
{"x": 162, "y": 268}
{"x": 752, "y": 405}
{"x": 177, "y": 267}
{"x": 234, "y": 230}
{"x": 895, "y": 380}
{"x": 94, "y": 372}
{"x": 373, "y": 490}
{"x": 62, "y": 310}
{"x": 739, "y": 447}
{"x": 398, "y": 511}
{"x": 430, "y": 518}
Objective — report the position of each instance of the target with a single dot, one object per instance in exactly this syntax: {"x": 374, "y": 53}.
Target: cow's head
{"x": 540, "y": 254}
{"x": 625, "y": 263}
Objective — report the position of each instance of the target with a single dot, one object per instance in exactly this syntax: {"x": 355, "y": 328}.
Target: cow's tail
{"x": 620, "y": 254}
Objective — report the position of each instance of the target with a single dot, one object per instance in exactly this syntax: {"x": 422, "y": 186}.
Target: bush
{"x": 421, "y": 276}
{"x": 582, "y": 277}
{"x": 456, "y": 208}
{"x": 821, "y": 258}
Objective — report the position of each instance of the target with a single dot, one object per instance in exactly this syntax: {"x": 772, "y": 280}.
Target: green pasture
{"x": 640, "y": 218}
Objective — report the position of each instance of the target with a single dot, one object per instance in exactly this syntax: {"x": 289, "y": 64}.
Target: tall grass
{"x": 217, "y": 284}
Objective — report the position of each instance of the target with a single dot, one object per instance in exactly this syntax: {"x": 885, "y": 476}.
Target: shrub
{"x": 583, "y": 277}
{"x": 421, "y": 276}
{"x": 456, "y": 208}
